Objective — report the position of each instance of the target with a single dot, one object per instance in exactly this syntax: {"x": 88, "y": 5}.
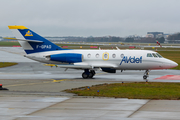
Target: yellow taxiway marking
{"x": 59, "y": 80}
{"x": 35, "y": 83}
{"x": 51, "y": 65}
{"x": 24, "y": 84}
{"x": 100, "y": 73}
{"x": 42, "y": 82}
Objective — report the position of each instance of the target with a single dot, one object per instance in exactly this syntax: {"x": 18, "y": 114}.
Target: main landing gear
{"x": 146, "y": 74}
{"x": 88, "y": 74}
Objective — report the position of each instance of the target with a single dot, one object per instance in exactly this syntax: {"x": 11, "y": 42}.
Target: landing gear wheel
{"x": 93, "y": 72}
{"x": 84, "y": 75}
{"x": 91, "y": 75}
{"x": 145, "y": 77}
{"x": 88, "y": 73}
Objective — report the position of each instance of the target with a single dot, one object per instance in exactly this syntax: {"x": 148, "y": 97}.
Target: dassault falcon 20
{"x": 40, "y": 49}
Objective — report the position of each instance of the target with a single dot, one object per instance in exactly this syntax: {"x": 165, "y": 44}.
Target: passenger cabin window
{"x": 149, "y": 55}
{"x": 122, "y": 55}
{"x": 159, "y": 55}
{"x": 154, "y": 55}
{"x": 89, "y": 55}
{"x": 97, "y": 55}
{"x": 113, "y": 55}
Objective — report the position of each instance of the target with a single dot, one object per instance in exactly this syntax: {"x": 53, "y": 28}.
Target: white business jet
{"x": 40, "y": 49}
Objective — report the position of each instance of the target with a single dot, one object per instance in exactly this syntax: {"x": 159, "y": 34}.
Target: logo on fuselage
{"x": 105, "y": 56}
{"x": 131, "y": 60}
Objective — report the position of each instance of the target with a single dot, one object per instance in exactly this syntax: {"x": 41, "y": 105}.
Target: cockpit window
{"x": 159, "y": 55}
{"x": 149, "y": 55}
{"x": 154, "y": 55}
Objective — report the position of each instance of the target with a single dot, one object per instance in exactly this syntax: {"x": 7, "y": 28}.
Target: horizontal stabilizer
{"x": 30, "y": 40}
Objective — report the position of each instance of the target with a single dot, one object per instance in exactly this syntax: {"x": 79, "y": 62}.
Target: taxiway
{"x": 36, "y": 92}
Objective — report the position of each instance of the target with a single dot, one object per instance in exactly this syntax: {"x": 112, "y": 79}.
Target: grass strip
{"x": 140, "y": 90}
{"x": 7, "y": 64}
{"x": 2, "y": 43}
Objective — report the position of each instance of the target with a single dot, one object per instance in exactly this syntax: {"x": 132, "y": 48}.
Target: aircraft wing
{"x": 72, "y": 66}
{"x": 76, "y": 66}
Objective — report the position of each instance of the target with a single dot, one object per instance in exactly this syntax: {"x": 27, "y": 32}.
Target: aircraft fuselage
{"x": 118, "y": 59}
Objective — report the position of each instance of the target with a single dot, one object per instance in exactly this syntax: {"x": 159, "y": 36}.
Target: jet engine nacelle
{"x": 67, "y": 57}
{"x": 109, "y": 70}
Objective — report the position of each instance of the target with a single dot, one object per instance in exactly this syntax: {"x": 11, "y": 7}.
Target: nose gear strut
{"x": 146, "y": 74}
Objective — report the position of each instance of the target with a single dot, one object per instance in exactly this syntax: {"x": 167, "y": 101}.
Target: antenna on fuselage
{"x": 117, "y": 48}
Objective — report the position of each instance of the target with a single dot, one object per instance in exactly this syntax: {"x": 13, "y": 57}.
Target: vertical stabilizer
{"x": 32, "y": 42}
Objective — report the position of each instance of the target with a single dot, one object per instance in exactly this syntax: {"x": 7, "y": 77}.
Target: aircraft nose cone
{"x": 173, "y": 64}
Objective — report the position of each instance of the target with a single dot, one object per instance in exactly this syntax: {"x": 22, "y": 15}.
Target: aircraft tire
{"x": 91, "y": 75}
{"x": 84, "y": 75}
{"x": 145, "y": 77}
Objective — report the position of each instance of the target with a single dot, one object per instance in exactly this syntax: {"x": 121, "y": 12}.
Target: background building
{"x": 155, "y": 34}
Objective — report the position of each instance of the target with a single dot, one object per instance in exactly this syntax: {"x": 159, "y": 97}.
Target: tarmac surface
{"x": 36, "y": 92}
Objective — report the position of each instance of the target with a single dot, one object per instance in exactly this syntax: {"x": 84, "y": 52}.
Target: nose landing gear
{"x": 146, "y": 74}
{"x": 88, "y": 74}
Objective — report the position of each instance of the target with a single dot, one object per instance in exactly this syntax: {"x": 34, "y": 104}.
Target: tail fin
{"x": 32, "y": 42}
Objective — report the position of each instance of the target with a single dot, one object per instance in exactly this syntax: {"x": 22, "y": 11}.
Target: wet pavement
{"x": 36, "y": 92}
{"x": 88, "y": 108}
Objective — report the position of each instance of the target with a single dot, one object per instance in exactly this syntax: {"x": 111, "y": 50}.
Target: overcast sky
{"x": 91, "y": 17}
